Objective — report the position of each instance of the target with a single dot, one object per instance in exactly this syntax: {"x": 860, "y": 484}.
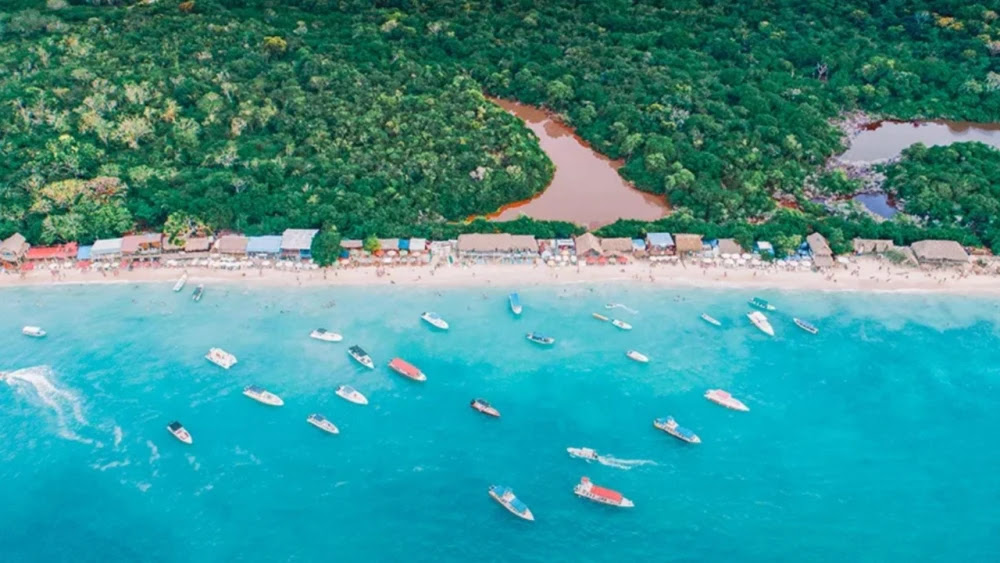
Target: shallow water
{"x": 887, "y": 139}
{"x": 868, "y": 442}
{"x": 877, "y": 204}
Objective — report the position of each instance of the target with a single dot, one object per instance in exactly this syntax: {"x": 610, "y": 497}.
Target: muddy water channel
{"x": 886, "y": 139}
{"x": 586, "y": 188}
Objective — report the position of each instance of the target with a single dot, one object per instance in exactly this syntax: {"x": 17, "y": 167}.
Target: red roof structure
{"x": 67, "y": 250}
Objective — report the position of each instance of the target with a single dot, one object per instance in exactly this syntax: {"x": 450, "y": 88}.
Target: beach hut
{"x": 729, "y": 246}
{"x": 267, "y": 246}
{"x": 297, "y": 243}
{"x": 389, "y": 246}
{"x": 146, "y": 243}
{"x": 822, "y": 255}
{"x": 616, "y": 245}
{"x": 764, "y": 247}
{"x": 83, "y": 252}
{"x": 588, "y": 245}
{"x": 872, "y": 246}
{"x": 639, "y": 246}
{"x": 940, "y": 252}
{"x": 106, "y": 249}
{"x": 234, "y": 245}
{"x": 197, "y": 244}
{"x": 57, "y": 252}
{"x": 13, "y": 248}
{"x": 417, "y": 245}
{"x": 659, "y": 243}
{"x": 687, "y": 243}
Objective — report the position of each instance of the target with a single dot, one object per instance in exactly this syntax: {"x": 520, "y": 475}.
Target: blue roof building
{"x": 267, "y": 245}
{"x": 83, "y": 253}
{"x": 659, "y": 241}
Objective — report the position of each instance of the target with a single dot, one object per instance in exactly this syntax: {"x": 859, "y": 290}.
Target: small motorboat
{"x": 720, "y": 397}
{"x": 806, "y": 326}
{"x": 539, "y": 339}
{"x": 637, "y": 356}
{"x": 762, "y": 304}
{"x": 179, "y": 432}
{"x": 710, "y": 320}
{"x": 583, "y": 453}
{"x": 361, "y": 356}
{"x": 180, "y": 283}
{"x": 33, "y": 331}
{"x": 670, "y": 426}
{"x": 601, "y": 317}
{"x": 590, "y": 491}
{"x": 434, "y": 320}
{"x": 515, "y": 303}
{"x": 351, "y": 394}
{"x": 621, "y": 324}
{"x": 198, "y": 292}
{"x": 325, "y": 335}
{"x": 760, "y": 321}
{"x": 320, "y": 421}
{"x": 505, "y": 496}
{"x": 221, "y": 358}
{"x": 262, "y": 395}
{"x": 406, "y": 369}
{"x": 484, "y": 407}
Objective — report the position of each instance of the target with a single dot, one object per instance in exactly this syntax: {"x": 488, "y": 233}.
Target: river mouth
{"x": 882, "y": 141}
{"x": 586, "y": 188}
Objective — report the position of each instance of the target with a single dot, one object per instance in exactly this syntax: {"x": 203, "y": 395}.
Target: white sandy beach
{"x": 864, "y": 274}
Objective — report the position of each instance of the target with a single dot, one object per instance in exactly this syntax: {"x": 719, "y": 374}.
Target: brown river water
{"x": 586, "y": 188}
{"x": 886, "y": 139}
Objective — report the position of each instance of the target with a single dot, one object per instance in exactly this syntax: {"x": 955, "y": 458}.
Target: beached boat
{"x": 198, "y": 292}
{"x": 180, "y": 283}
{"x": 262, "y": 395}
{"x": 221, "y": 358}
{"x": 434, "y": 320}
{"x": 484, "y": 407}
{"x": 325, "y": 335}
{"x": 505, "y": 496}
{"x": 760, "y": 321}
{"x": 539, "y": 339}
{"x": 808, "y": 327}
{"x": 600, "y": 317}
{"x": 590, "y": 491}
{"x": 720, "y": 397}
{"x": 320, "y": 421}
{"x": 179, "y": 432}
{"x": 33, "y": 331}
{"x": 583, "y": 453}
{"x": 515, "y": 303}
{"x": 361, "y": 356}
{"x": 621, "y": 324}
{"x": 406, "y": 369}
{"x": 710, "y": 320}
{"x": 351, "y": 394}
{"x": 637, "y": 356}
{"x": 762, "y": 304}
{"x": 670, "y": 426}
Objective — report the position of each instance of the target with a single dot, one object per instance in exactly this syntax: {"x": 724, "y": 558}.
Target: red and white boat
{"x": 590, "y": 491}
{"x": 482, "y": 406}
{"x": 720, "y": 397}
{"x": 406, "y": 369}
{"x": 179, "y": 432}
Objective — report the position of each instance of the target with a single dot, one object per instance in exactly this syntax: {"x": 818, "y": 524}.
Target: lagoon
{"x": 884, "y": 140}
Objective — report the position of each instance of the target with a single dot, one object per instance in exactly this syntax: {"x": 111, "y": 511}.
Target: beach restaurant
{"x": 687, "y": 244}
{"x": 266, "y": 246}
{"x": 588, "y": 246}
{"x": 13, "y": 248}
{"x": 297, "y": 243}
{"x": 821, "y": 254}
{"x": 57, "y": 252}
{"x": 729, "y": 248}
{"x": 940, "y": 252}
{"x": 147, "y": 243}
{"x": 495, "y": 245}
{"x": 234, "y": 245}
{"x": 659, "y": 243}
{"x": 106, "y": 249}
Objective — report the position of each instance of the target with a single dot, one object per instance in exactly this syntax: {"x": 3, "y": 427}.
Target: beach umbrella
{"x": 745, "y": 256}
{"x": 706, "y": 260}
{"x": 552, "y": 262}
{"x": 266, "y": 263}
{"x": 387, "y": 260}
{"x": 843, "y": 260}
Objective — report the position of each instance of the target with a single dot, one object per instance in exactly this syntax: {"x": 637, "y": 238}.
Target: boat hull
{"x": 636, "y": 356}
{"x": 711, "y": 320}
{"x": 693, "y": 439}
{"x": 356, "y": 398}
{"x": 526, "y": 515}
{"x": 182, "y": 435}
{"x": 324, "y": 425}
{"x": 266, "y": 398}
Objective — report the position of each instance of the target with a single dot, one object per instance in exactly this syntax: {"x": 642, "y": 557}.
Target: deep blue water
{"x": 872, "y": 441}
{"x": 877, "y": 204}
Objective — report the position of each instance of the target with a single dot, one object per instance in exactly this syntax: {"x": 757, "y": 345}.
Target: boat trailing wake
{"x": 35, "y": 384}
{"x": 626, "y": 464}
{"x": 621, "y": 306}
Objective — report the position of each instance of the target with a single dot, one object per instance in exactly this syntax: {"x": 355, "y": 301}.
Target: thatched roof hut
{"x": 616, "y": 245}
{"x": 730, "y": 246}
{"x": 871, "y": 246}
{"x": 687, "y": 243}
{"x": 13, "y": 248}
{"x": 588, "y": 245}
{"x": 232, "y": 244}
{"x": 940, "y": 252}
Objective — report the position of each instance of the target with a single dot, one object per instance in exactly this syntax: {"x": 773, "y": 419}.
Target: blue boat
{"x": 762, "y": 304}
{"x": 515, "y": 303}
{"x": 808, "y": 327}
{"x": 670, "y": 426}
{"x": 505, "y": 496}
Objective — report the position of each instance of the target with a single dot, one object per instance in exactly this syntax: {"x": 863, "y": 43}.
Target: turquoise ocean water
{"x": 874, "y": 441}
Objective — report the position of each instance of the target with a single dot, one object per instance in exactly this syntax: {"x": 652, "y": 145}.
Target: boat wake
{"x": 35, "y": 384}
{"x": 625, "y": 464}
{"x": 621, "y": 306}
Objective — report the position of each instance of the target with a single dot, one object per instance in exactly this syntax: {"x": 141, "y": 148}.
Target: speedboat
{"x": 539, "y": 339}
{"x": 590, "y": 491}
{"x": 637, "y": 356}
{"x": 33, "y": 331}
{"x": 198, "y": 292}
{"x": 760, "y": 321}
{"x": 320, "y": 421}
{"x": 221, "y": 358}
{"x": 505, "y": 496}
{"x": 406, "y": 369}
{"x": 670, "y": 426}
{"x": 482, "y": 406}
{"x": 808, "y": 327}
{"x": 762, "y": 304}
{"x": 434, "y": 320}
{"x": 720, "y": 397}
{"x": 583, "y": 453}
{"x": 361, "y": 356}
{"x": 621, "y": 324}
{"x": 515, "y": 303}
{"x": 710, "y": 320}
{"x": 179, "y": 432}
{"x": 180, "y": 283}
{"x": 352, "y": 395}
{"x": 325, "y": 335}
{"x": 262, "y": 395}
{"x": 600, "y": 317}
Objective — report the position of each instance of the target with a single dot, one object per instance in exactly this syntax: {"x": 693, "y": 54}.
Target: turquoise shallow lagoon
{"x": 875, "y": 440}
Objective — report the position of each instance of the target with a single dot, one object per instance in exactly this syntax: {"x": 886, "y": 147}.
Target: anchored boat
{"x": 539, "y": 339}
{"x": 361, "y": 356}
{"x": 33, "y": 331}
{"x": 720, "y": 397}
{"x": 434, "y": 320}
{"x": 762, "y": 304}
{"x": 621, "y": 324}
{"x": 406, "y": 369}
{"x": 590, "y": 491}
{"x": 221, "y": 358}
{"x": 325, "y": 335}
{"x": 808, "y": 327}
{"x": 637, "y": 356}
{"x": 179, "y": 432}
{"x": 670, "y": 426}
{"x": 515, "y": 303}
{"x": 352, "y": 395}
{"x": 198, "y": 292}
{"x": 505, "y": 496}
{"x": 320, "y": 421}
{"x": 484, "y": 407}
{"x": 760, "y": 321}
{"x": 180, "y": 283}
{"x": 710, "y": 320}
{"x": 262, "y": 395}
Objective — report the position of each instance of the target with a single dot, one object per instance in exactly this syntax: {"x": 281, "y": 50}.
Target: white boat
{"x": 583, "y": 453}
{"x": 621, "y": 324}
{"x": 33, "y": 331}
{"x": 361, "y": 356}
{"x": 806, "y": 326}
{"x": 720, "y": 397}
{"x": 352, "y": 395}
{"x": 221, "y": 358}
{"x": 670, "y": 426}
{"x": 320, "y": 421}
{"x": 434, "y": 320}
{"x": 505, "y": 496}
{"x": 484, "y": 407}
{"x": 180, "y": 283}
{"x": 515, "y": 303}
{"x": 262, "y": 395}
{"x": 590, "y": 491}
{"x": 637, "y": 356}
{"x": 710, "y": 320}
{"x": 325, "y": 335}
{"x": 540, "y": 339}
{"x": 760, "y": 321}
{"x": 179, "y": 432}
